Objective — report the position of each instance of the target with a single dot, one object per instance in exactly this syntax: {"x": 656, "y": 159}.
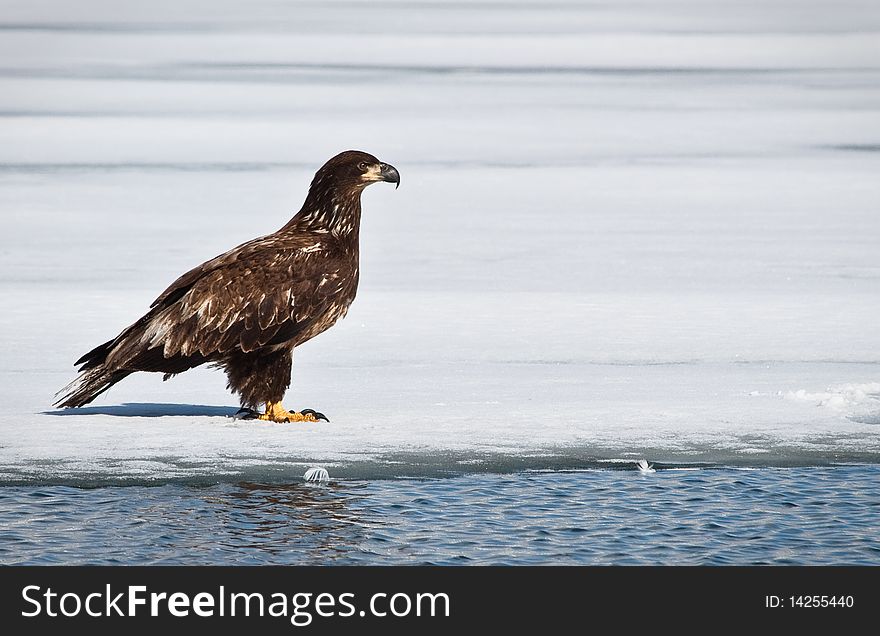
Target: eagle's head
{"x": 334, "y": 199}
{"x": 355, "y": 170}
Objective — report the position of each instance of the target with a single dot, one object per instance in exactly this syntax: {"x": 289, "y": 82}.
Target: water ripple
{"x": 824, "y": 515}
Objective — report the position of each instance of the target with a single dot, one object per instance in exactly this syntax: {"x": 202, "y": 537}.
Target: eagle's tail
{"x": 88, "y": 385}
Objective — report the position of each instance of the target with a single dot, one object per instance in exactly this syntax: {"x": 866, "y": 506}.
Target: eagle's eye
{"x": 362, "y": 165}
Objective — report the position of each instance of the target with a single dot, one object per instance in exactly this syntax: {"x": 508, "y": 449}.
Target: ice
{"x": 841, "y": 398}
{"x": 623, "y": 231}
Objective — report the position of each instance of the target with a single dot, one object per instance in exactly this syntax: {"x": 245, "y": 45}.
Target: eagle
{"x": 245, "y": 311}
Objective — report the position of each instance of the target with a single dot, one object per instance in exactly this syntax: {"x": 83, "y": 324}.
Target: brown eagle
{"x": 246, "y": 310}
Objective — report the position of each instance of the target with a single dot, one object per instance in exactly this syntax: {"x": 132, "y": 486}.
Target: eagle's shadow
{"x": 150, "y": 409}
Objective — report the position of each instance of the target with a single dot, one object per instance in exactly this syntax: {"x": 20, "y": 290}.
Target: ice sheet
{"x": 623, "y": 231}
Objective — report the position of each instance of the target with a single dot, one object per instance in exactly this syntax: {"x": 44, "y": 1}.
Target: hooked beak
{"x": 389, "y": 173}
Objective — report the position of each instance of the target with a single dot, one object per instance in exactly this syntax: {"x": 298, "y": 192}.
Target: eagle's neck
{"x": 334, "y": 211}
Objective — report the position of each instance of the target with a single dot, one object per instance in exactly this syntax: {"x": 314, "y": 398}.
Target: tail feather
{"x": 89, "y": 385}
{"x": 96, "y": 373}
{"x": 96, "y": 356}
{"x": 132, "y": 350}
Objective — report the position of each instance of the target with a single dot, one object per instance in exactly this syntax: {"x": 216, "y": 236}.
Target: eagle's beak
{"x": 389, "y": 173}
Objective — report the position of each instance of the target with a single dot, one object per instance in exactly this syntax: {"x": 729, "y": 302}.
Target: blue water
{"x": 717, "y": 516}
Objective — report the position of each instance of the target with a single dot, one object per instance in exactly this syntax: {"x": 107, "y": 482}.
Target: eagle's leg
{"x": 277, "y": 413}
{"x": 263, "y": 378}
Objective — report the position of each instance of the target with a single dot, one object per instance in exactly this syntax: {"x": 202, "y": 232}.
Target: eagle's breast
{"x": 337, "y": 288}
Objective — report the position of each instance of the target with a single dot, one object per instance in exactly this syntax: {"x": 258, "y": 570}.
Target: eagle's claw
{"x": 245, "y": 414}
{"x": 276, "y": 413}
{"x": 315, "y": 414}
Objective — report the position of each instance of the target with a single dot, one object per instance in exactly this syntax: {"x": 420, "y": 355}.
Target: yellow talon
{"x": 277, "y": 413}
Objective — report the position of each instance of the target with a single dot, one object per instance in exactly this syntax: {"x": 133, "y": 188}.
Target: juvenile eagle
{"x": 246, "y": 310}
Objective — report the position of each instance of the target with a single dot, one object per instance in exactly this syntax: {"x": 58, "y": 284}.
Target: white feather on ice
{"x": 317, "y": 474}
{"x": 644, "y": 466}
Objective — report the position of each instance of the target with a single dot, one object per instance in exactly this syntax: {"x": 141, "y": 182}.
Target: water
{"x": 723, "y": 516}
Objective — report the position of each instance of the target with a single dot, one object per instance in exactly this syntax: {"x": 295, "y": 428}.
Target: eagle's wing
{"x": 262, "y": 293}
{"x": 183, "y": 284}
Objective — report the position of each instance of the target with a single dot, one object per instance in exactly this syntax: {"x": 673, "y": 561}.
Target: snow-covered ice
{"x": 623, "y": 231}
